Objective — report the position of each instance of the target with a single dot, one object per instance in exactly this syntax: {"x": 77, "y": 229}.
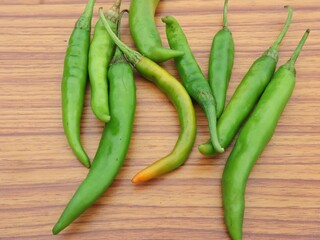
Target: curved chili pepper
{"x": 253, "y": 138}
{"x": 100, "y": 54}
{"x": 144, "y": 31}
{"x": 180, "y": 99}
{"x": 221, "y": 63}
{"x": 74, "y": 82}
{"x": 113, "y": 145}
{"x": 247, "y": 93}
{"x": 192, "y": 77}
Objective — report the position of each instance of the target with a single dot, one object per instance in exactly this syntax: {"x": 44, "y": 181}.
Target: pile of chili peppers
{"x": 256, "y": 105}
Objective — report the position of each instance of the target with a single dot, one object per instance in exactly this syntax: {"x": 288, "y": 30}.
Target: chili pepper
{"x": 74, "y": 81}
{"x": 247, "y": 93}
{"x": 192, "y": 77}
{"x": 113, "y": 145}
{"x": 100, "y": 55}
{"x": 253, "y": 138}
{"x": 180, "y": 99}
{"x": 221, "y": 63}
{"x": 144, "y": 31}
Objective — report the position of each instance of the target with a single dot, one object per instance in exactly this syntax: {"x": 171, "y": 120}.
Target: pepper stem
{"x": 285, "y": 28}
{"x": 113, "y": 12}
{"x": 298, "y": 49}
{"x": 225, "y": 12}
{"x": 119, "y": 22}
{"x": 133, "y": 56}
{"x": 118, "y": 55}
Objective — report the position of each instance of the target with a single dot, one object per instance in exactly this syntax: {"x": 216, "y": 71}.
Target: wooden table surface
{"x": 39, "y": 173}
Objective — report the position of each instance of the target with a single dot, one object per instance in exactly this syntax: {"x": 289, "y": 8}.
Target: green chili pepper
{"x": 74, "y": 81}
{"x": 253, "y": 138}
{"x": 113, "y": 145}
{"x": 221, "y": 63}
{"x": 144, "y": 31}
{"x": 100, "y": 55}
{"x": 192, "y": 77}
{"x": 247, "y": 93}
{"x": 180, "y": 99}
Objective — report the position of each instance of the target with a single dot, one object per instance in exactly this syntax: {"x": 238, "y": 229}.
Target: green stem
{"x": 276, "y": 44}
{"x": 113, "y": 13}
{"x": 119, "y": 23}
{"x": 133, "y": 56}
{"x": 225, "y": 12}
{"x": 298, "y": 49}
{"x": 118, "y": 55}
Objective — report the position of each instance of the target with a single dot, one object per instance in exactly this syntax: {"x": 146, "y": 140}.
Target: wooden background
{"x": 39, "y": 173}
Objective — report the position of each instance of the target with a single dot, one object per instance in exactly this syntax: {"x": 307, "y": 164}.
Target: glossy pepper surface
{"x": 74, "y": 82}
{"x": 220, "y": 63}
{"x": 247, "y": 93}
{"x": 113, "y": 145}
{"x": 100, "y": 55}
{"x": 253, "y": 138}
{"x": 192, "y": 77}
{"x": 180, "y": 99}
{"x": 145, "y": 33}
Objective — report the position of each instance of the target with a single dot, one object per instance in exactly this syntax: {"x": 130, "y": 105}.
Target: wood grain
{"x": 39, "y": 173}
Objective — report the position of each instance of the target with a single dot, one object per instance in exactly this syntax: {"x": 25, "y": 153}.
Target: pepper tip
{"x": 140, "y": 177}
{"x": 87, "y": 164}
{"x": 135, "y": 179}
{"x": 55, "y": 230}
{"x": 105, "y": 118}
